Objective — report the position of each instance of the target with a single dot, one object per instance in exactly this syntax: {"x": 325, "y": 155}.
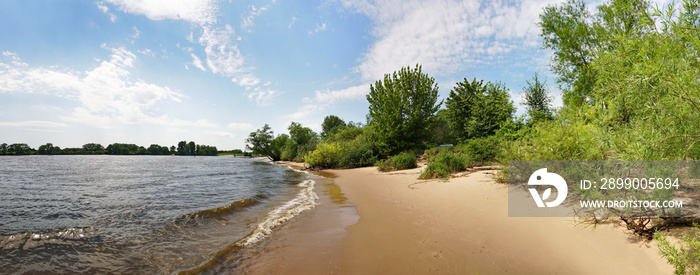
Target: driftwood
{"x": 481, "y": 168}
{"x": 639, "y": 224}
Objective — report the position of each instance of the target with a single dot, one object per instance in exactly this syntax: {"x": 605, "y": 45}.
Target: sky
{"x": 158, "y": 72}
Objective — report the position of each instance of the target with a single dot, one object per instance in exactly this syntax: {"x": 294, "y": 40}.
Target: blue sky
{"x": 157, "y": 72}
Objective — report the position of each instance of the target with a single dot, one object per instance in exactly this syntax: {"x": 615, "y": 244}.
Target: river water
{"x": 148, "y": 214}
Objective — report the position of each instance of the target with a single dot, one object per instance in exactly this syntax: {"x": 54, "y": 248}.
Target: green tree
{"x": 566, "y": 30}
{"x": 330, "y": 124}
{"x": 3, "y": 148}
{"x": 154, "y": 149}
{"x": 206, "y": 150}
{"x": 182, "y": 148}
{"x": 576, "y": 37}
{"x": 537, "y": 100}
{"x": 301, "y": 140}
{"x": 475, "y": 109}
{"x": 172, "y": 150}
{"x": 124, "y": 149}
{"x": 93, "y": 148}
{"x": 48, "y": 149}
{"x": 491, "y": 110}
{"x": 460, "y": 106}
{"x": 263, "y": 142}
{"x": 402, "y": 106}
{"x": 442, "y": 131}
{"x": 19, "y": 149}
{"x": 191, "y": 148}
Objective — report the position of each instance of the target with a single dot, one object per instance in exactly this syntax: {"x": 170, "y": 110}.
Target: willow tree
{"x": 263, "y": 142}
{"x": 402, "y": 109}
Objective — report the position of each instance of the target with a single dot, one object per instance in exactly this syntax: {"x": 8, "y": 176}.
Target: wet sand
{"x": 310, "y": 243}
{"x": 461, "y": 226}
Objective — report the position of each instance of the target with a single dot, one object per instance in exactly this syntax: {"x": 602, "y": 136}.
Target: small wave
{"x": 297, "y": 170}
{"x": 29, "y": 240}
{"x": 220, "y": 211}
{"x": 305, "y": 200}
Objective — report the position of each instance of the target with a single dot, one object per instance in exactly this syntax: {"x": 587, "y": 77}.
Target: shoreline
{"x": 461, "y": 226}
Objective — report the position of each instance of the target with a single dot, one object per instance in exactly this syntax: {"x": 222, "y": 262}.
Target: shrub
{"x": 481, "y": 149}
{"x": 326, "y": 155}
{"x": 436, "y": 170}
{"x": 684, "y": 261}
{"x": 431, "y": 153}
{"x": 444, "y": 164}
{"x": 456, "y": 162}
{"x": 357, "y": 153}
{"x": 405, "y": 160}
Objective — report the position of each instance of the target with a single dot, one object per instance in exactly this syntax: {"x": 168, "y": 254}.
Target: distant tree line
{"x": 184, "y": 148}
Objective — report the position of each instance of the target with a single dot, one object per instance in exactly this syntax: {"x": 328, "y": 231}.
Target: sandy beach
{"x": 461, "y": 226}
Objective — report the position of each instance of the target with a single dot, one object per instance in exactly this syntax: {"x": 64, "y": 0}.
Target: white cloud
{"x": 136, "y": 34}
{"x": 220, "y": 134}
{"x": 319, "y": 28}
{"x": 246, "y": 80}
{"x": 241, "y": 126}
{"x": 294, "y": 19}
{"x": 106, "y": 93}
{"x": 198, "y": 123}
{"x": 445, "y": 35}
{"x": 193, "y": 11}
{"x": 263, "y": 98}
{"x": 223, "y": 56}
{"x": 33, "y": 123}
{"x": 254, "y": 12}
{"x": 198, "y": 63}
{"x": 325, "y": 99}
{"x": 105, "y": 10}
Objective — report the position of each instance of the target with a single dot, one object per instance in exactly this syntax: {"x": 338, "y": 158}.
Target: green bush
{"x": 405, "y": 160}
{"x": 456, "y": 162}
{"x": 684, "y": 260}
{"x": 357, "y": 153}
{"x": 326, "y": 155}
{"x": 445, "y": 163}
{"x": 352, "y": 153}
{"x": 436, "y": 170}
{"x": 481, "y": 149}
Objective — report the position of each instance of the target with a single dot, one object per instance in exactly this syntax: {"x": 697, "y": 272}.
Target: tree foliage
{"x": 460, "y": 106}
{"x": 402, "y": 108}
{"x": 475, "y": 109}
{"x": 48, "y": 149}
{"x": 331, "y": 124}
{"x": 263, "y": 142}
{"x": 685, "y": 258}
{"x": 16, "y": 149}
{"x": 301, "y": 140}
{"x": 566, "y": 30}
{"x": 94, "y": 148}
{"x": 577, "y": 38}
{"x": 348, "y": 148}
{"x": 537, "y": 100}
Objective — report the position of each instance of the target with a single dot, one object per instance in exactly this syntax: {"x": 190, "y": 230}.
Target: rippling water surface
{"x": 136, "y": 214}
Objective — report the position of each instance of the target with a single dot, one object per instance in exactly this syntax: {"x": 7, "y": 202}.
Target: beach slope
{"x": 461, "y": 226}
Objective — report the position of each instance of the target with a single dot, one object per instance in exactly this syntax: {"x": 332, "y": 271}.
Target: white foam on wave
{"x": 305, "y": 200}
{"x": 297, "y": 170}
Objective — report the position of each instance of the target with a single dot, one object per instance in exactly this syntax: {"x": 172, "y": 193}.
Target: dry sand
{"x": 411, "y": 226}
